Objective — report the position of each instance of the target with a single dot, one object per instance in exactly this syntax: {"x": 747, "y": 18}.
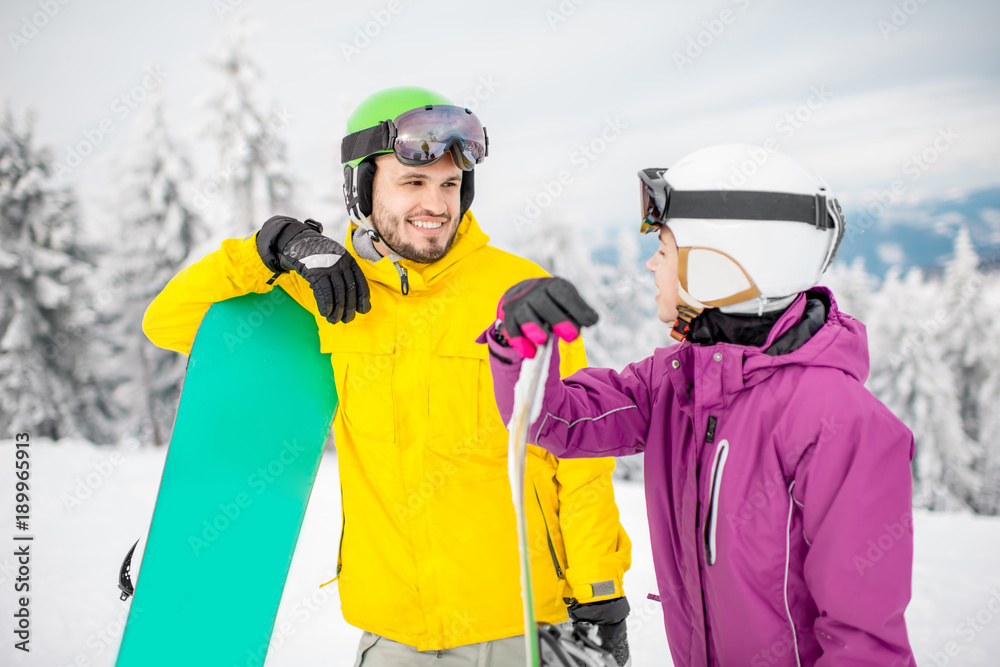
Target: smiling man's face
{"x": 416, "y": 209}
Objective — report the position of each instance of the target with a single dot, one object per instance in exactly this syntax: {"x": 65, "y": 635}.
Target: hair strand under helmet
{"x": 753, "y": 228}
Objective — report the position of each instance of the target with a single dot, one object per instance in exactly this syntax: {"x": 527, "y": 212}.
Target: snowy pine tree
{"x": 968, "y": 325}
{"x": 988, "y": 499}
{"x": 969, "y": 351}
{"x": 252, "y": 180}
{"x": 47, "y": 382}
{"x": 159, "y": 230}
{"x": 910, "y": 376}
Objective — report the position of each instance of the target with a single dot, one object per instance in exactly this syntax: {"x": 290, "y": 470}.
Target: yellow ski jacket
{"x": 428, "y": 548}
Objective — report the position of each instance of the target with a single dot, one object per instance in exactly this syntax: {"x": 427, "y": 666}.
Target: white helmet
{"x": 753, "y": 227}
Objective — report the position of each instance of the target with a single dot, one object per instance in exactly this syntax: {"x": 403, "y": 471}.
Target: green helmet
{"x": 387, "y": 104}
{"x": 359, "y": 172}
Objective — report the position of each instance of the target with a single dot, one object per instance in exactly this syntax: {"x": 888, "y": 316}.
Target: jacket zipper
{"x": 548, "y": 536}
{"x": 404, "y": 281}
{"x": 343, "y": 529}
{"x": 340, "y": 547}
{"x": 712, "y": 520}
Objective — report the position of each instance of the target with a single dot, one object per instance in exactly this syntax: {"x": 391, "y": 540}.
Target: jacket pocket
{"x": 712, "y": 520}
{"x": 458, "y": 389}
{"x": 366, "y": 395}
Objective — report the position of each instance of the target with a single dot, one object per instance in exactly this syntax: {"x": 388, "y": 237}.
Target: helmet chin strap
{"x": 686, "y": 312}
{"x": 688, "y": 308}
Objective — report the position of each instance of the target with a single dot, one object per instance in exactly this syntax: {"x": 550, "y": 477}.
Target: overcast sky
{"x": 868, "y": 85}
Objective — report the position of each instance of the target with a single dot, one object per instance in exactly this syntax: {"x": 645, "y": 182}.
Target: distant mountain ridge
{"x": 923, "y": 234}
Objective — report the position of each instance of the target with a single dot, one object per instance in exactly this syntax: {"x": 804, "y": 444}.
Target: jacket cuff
{"x": 251, "y": 266}
{"x": 498, "y": 347}
{"x": 595, "y": 591}
{"x": 606, "y": 612}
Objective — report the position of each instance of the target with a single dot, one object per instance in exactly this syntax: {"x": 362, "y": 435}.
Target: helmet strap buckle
{"x": 682, "y": 325}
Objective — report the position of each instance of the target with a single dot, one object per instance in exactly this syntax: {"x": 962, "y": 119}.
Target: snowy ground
{"x": 91, "y": 503}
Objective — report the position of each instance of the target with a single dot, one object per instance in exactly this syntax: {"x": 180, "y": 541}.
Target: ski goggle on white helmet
{"x": 752, "y": 227}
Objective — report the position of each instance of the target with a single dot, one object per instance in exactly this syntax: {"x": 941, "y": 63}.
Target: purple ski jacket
{"x": 777, "y": 488}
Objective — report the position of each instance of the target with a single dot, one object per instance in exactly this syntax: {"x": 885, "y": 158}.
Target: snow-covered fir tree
{"x": 252, "y": 180}
{"x": 48, "y": 383}
{"x": 910, "y": 376}
{"x": 159, "y": 230}
{"x": 988, "y": 499}
{"x": 969, "y": 350}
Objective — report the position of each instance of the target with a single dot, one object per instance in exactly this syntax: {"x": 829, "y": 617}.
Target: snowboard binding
{"x": 566, "y": 645}
{"x": 125, "y": 574}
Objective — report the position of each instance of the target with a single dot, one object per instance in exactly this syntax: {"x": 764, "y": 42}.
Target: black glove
{"x": 609, "y": 617}
{"x": 532, "y": 307}
{"x": 285, "y": 244}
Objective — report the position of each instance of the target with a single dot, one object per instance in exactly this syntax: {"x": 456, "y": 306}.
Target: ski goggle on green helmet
{"x": 423, "y": 136}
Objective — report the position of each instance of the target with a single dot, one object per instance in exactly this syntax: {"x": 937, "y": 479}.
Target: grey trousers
{"x": 376, "y": 651}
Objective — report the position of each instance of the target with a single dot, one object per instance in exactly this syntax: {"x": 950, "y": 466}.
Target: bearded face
{"x": 415, "y": 209}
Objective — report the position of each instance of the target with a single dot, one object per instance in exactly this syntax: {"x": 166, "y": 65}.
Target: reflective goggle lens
{"x": 424, "y": 135}
{"x": 653, "y": 190}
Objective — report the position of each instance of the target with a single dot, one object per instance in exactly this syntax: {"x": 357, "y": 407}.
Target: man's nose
{"x": 433, "y": 200}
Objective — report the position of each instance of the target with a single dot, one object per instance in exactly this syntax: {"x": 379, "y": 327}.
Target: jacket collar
{"x": 839, "y": 342}
{"x": 468, "y": 239}
{"x": 800, "y": 337}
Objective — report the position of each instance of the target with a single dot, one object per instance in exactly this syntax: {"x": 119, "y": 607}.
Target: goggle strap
{"x": 749, "y": 205}
{"x": 368, "y": 141}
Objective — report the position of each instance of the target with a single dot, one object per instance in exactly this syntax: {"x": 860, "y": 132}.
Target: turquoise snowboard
{"x": 255, "y": 411}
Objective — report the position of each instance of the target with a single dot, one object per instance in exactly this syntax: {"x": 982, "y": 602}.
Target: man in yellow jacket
{"x": 428, "y": 550}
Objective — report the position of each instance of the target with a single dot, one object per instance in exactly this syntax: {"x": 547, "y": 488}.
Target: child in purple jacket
{"x": 777, "y": 486}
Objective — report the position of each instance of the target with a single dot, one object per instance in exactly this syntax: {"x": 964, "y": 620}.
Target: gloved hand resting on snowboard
{"x": 285, "y": 244}
{"x": 532, "y": 308}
